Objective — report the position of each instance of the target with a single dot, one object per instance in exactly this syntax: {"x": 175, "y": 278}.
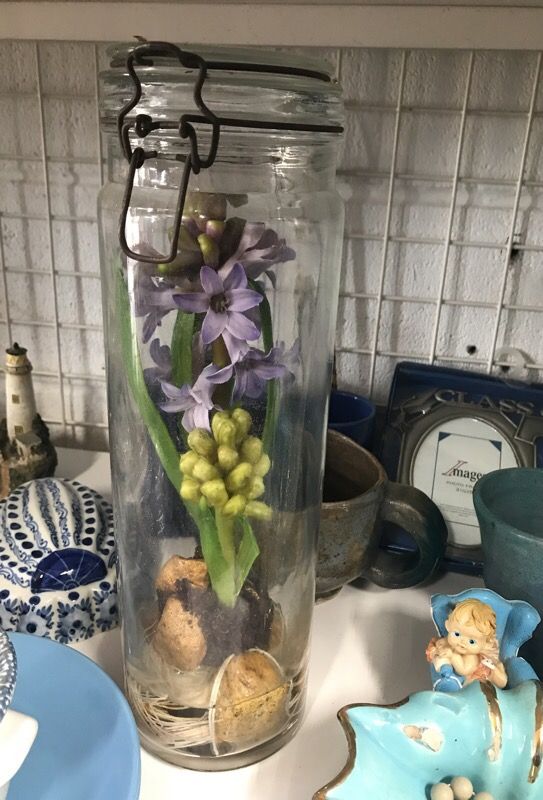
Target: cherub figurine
{"x": 470, "y": 648}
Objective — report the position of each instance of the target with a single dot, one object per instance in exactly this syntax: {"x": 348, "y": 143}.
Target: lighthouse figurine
{"x": 26, "y": 451}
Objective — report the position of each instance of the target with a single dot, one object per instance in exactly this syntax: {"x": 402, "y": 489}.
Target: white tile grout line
{"x": 514, "y": 212}
{"x": 452, "y": 207}
{"x": 7, "y": 320}
{"x": 423, "y": 177}
{"x": 388, "y": 217}
{"x": 423, "y": 358}
{"x": 50, "y": 230}
{"x": 431, "y": 301}
{"x": 62, "y": 273}
{"x": 69, "y": 376}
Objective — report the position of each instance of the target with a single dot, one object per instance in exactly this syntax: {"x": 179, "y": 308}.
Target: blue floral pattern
{"x": 74, "y": 621}
{"x": 9, "y": 613}
{"x": 57, "y": 561}
{"x": 8, "y": 673}
{"x": 106, "y": 602}
{"x": 33, "y": 619}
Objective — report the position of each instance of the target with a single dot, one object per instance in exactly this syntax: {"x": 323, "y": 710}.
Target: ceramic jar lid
{"x": 57, "y": 561}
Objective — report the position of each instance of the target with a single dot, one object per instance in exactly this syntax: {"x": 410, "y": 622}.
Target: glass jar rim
{"x": 312, "y": 99}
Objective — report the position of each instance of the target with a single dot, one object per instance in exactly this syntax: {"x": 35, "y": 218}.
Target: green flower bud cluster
{"x": 226, "y": 467}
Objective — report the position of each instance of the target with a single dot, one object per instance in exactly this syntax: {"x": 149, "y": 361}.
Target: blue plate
{"x": 87, "y": 746}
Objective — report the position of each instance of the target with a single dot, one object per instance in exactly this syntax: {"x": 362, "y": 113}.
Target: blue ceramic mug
{"x": 509, "y": 507}
{"x": 351, "y": 415}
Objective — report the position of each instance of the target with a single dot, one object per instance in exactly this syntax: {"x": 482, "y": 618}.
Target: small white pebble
{"x": 441, "y": 791}
{"x": 483, "y": 796}
{"x": 462, "y": 788}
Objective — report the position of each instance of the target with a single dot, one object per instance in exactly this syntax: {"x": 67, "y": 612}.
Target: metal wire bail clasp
{"x": 143, "y": 125}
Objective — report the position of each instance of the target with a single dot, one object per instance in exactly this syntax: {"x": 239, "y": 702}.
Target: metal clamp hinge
{"x": 193, "y": 161}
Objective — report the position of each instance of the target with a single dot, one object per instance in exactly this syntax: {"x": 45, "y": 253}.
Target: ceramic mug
{"x": 351, "y": 415}
{"x": 357, "y": 499}
{"x": 509, "y": 507}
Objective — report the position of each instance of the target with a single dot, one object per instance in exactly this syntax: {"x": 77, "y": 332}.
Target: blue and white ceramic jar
{"x": 17, "y": 731}
{"x": 57, "y": 561}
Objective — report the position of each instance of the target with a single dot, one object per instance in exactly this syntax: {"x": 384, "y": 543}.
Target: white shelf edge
{"x": 344, "y": 25}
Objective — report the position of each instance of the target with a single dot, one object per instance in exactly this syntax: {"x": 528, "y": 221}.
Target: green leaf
{"x": 165, "y": 448}
{"x": 248, "y": 552}
{"x": 181, "y": 348}
{"x": 221, "y": 571}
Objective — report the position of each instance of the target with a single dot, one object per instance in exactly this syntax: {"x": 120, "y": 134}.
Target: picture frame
{"x": 446, "y": 428}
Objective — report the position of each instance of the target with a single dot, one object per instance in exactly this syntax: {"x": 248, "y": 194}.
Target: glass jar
{"x": 219, "y": 366}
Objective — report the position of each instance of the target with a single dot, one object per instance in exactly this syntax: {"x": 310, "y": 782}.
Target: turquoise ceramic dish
{"x": 493, "y": 737}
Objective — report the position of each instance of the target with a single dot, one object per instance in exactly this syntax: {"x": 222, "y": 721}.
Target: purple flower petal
{"x": 174, "y": 392}
{"x": 252, "y": 234}
{"x": 255, "y": 385}
{"x": 259, "y": 248}
{"x": 161, "y": 356}
{"x": 201, "y": 391}
{"x": 254, "y": 368}
{"x": 216, "y": 375}
{"x": 211, "y": 281}
{"x": 150, "y": 324}
{"x": 243, "y": 299}
{"x": 193, "y": 302}
{"x": 239, "y": 326}
{"x": 180, "y": 398}
{"x": 170, "y": 407}
{"x": 188, "y": 420}
{"x": 270, "y": 371}
{"x": 272, "y": 277}
{"x": 154, "y": 350}
{"x": 196, "y": 402}
{"x": 152, "y": 299}
{"x": 240, "y": 384}
{"x": 237, "y": 348}
{"x": 254, "y": 267}
{"x": 236, "y": 278}
{"x": 200, "y": 417}
{"x": 214, "y": 324}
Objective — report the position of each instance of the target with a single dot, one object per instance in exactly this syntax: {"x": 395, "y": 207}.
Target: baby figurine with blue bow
{"x": 470, "y": 648}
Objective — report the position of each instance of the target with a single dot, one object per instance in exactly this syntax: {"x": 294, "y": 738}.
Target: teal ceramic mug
{"x": 509, "y": 507}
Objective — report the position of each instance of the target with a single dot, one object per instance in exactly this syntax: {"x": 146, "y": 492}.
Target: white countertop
{"x": 368, "y": 646}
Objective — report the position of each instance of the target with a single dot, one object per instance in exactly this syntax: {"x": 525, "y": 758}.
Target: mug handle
{"x": 412, "y": 510}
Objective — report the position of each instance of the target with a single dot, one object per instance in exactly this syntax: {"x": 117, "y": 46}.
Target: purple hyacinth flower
{"x": 257, "y": 367}
{"x": 161, "y": 355}
{"x": 195, "y": 401}
{"x": 224, "y": 301}
{"x": 258, "y": 249}
{"x": 153, "y": 299}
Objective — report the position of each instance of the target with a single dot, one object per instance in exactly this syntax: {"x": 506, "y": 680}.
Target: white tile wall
{"x": 405, "y": 290}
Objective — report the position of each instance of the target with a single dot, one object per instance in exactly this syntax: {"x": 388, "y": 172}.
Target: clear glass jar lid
{"x": 305, "y": 94}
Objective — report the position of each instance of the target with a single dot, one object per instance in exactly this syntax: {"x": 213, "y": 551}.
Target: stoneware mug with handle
{"x": 357, "y": 499}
